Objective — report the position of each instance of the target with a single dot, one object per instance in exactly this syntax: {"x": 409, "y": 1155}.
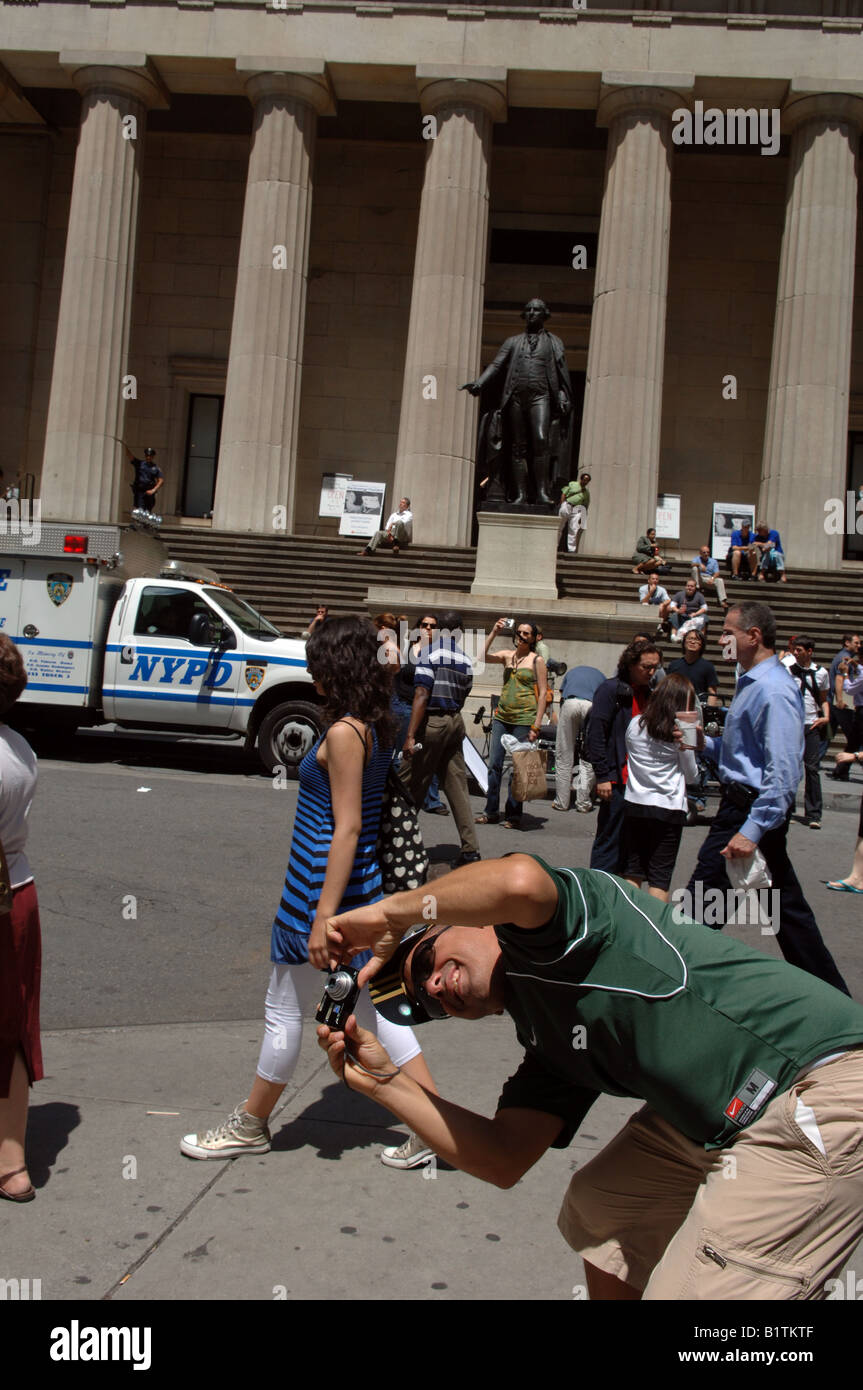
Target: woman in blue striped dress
{"x": 333, "y": 867}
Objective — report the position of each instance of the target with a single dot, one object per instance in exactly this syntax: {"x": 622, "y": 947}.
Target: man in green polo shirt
{"x": 738, "y": 1057}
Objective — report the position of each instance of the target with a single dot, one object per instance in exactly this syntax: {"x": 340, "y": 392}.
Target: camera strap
{"x": 377, "y": 1075}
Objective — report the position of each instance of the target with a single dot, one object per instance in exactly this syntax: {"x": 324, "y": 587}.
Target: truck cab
{"x": 112, "y": 630}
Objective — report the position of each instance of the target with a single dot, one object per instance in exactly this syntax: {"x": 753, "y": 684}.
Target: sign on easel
{"x": 363, "y": 509}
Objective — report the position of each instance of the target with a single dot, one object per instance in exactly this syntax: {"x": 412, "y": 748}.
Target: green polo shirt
{"x": 577, "y": 495}
{"x": 613, "y": 996}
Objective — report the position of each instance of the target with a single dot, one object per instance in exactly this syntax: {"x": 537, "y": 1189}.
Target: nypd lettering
{"x": 179, "y": 670}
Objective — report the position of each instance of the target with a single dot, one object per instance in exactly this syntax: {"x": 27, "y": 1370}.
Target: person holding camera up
{"x": 333, "y": 867}
{"x": 519, "y": 711}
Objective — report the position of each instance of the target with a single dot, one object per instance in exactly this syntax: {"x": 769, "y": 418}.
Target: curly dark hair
{"x": 13, "y": 676}
{"x": 344, "y": 656}
{"x": 633, "y": 653}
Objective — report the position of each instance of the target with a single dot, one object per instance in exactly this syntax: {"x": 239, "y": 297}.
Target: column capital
{"x": 811, "y": 100}
{"x": 301, "y": 79}
{"x": 462, "y": 85}
{"x": 131, "y": 74}
{"x": 624, "y": 92}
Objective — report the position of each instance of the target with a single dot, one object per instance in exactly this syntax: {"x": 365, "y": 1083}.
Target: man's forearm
{"x": 515, "y": 890}
{"x": 418, "y": 710}
{"x": 460, "y": 1137}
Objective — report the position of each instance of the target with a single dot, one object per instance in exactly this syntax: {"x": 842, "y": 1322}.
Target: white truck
{"x": 112, "y": 631}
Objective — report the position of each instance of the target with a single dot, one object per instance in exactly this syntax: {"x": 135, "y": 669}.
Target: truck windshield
{"x": 241, "y": 613}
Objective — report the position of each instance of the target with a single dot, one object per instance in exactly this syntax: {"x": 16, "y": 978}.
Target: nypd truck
{"x": 112, "y": 631}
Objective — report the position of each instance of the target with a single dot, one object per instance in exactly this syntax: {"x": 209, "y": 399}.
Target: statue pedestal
{"x": 516, "y": 555}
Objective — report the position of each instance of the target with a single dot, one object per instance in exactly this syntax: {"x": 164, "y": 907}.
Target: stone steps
{"x": 287, "y": 576}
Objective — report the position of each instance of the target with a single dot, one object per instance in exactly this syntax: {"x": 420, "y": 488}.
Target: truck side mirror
{"x": 201, "y": 631}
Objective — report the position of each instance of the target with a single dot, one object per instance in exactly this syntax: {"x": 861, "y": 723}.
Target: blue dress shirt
{"x": 762, "y": 743}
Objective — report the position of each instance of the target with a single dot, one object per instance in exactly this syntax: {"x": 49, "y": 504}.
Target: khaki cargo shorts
{"x": 772, "y": 1216}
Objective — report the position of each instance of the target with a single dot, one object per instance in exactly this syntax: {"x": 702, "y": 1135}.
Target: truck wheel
{"x": 286, "y": 735}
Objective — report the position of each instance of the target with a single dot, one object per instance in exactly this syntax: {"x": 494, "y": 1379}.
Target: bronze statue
{"x": 529, "y": 423}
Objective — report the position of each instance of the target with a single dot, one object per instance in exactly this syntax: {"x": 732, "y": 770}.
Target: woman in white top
{"x": 658, "y": 769}
{"x": 20, "y": 940}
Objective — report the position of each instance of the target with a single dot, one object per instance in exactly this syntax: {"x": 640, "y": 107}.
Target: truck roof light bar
{"x": 190, "y": 571}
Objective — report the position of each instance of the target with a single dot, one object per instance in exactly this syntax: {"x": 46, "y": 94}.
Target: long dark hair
{"x": 668, "y": 699}
{"x": 344, "y": 656}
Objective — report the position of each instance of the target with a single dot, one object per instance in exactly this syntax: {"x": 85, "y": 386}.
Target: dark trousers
{"x": 844, "y": 719}
{"x": 812, "y": 763}
{"x": 607, "y": 852}
{"x": 799, "y": 939}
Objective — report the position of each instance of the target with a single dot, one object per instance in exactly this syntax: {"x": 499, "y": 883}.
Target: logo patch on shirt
{"x": 755, "y": 1091}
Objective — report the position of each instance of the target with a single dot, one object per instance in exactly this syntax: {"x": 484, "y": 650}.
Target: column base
{"x": 516, "y": 555}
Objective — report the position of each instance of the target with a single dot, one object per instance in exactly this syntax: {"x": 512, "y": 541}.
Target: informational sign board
{"x": 333, "y": 488}
{"x": 668, "y": 516}
{"x": 728, "y": 517}
{"x": 363, "y": 509}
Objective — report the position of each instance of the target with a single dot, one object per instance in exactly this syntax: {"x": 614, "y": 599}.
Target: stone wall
{"x": 726, "y": 232}
{"x": 365, "y": 210}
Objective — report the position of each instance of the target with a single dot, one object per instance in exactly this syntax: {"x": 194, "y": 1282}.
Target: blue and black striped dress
{"x": 310, "y": 847}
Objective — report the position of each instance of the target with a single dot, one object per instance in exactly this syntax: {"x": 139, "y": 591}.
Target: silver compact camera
{"x": 509, "y": 625}
{"x": 340, "y": 996}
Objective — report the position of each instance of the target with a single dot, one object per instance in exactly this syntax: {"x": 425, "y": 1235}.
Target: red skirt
{"x": 20, "y": 976}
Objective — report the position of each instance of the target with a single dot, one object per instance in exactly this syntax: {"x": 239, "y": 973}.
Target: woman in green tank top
{"x": 519, "y": 712}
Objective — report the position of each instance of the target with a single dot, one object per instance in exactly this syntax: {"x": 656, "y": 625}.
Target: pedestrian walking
{"x": 576, "y": 700}
{"x": 658, "y": 770}
{"x": 615, "y": 703}
{"x": 333, "y": 866}
{"x": 760, "y": 756}
{"x": 20, "y": 939}
{"x": 433, "y": 743}
{"x": 814, "y": 683}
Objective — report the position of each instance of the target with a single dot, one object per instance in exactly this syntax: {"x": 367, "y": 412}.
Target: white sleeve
{"x": 688, "y": 764}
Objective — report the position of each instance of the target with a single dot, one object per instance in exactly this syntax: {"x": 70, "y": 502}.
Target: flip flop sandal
{"x": 26, "y": 1196}
{"x": 486, "y": 820}
{"x": 842, "y": 887}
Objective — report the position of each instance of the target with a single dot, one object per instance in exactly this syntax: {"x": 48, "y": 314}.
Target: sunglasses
{"x": 431, "y": 626}
{"x": 422, "y": 966}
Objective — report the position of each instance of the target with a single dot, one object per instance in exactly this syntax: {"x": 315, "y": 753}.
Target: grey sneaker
{"x": 410, "y": 1154}
{"x": 241, "y": 1133}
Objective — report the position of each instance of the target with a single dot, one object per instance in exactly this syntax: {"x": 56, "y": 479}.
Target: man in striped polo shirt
{"x": 442, "y": 683}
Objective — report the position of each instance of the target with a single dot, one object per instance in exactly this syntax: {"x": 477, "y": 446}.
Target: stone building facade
{"x": 272, "y": 239}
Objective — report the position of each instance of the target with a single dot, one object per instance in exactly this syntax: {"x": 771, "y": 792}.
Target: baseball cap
{"x": 149, "y": 451}
{"x": 387, "y": 988}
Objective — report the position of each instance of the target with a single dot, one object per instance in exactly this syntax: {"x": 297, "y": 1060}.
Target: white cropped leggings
{"x": 296, "y": 990}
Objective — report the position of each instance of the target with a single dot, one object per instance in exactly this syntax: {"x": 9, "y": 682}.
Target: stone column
{"x": 81, "y": 470}
{"x": 623, "y": 394}
{"x": 806, "y": 435}
{"x": 258, "y": 449}
{"x": 437, "y": 429}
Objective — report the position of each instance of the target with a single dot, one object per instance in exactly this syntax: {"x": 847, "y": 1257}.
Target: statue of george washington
{"x": 533, "y": 413}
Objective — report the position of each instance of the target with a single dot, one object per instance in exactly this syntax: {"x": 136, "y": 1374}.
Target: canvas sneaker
{"x": 410, "y": 1154}
{"x": 241, "y": 1133}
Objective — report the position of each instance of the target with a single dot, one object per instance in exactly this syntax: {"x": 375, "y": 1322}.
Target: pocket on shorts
{"x": 721, "y": 1269}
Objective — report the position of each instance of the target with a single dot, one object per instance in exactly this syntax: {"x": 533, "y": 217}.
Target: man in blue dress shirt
{"x": 760, "y": 756}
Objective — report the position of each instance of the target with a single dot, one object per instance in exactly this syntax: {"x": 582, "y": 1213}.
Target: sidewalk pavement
{"x": 121, "y": 1213}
